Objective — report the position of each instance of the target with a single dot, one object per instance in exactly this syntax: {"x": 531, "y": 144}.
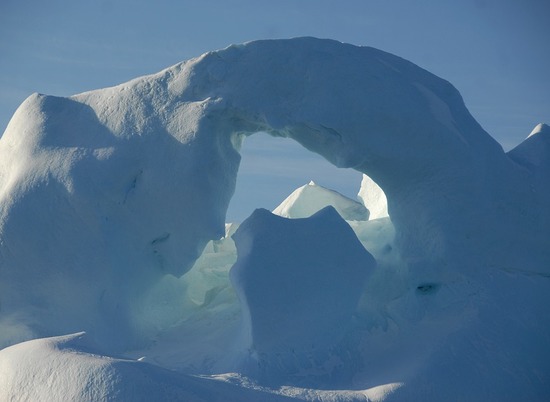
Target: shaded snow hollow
{"x": 109, "y": 197}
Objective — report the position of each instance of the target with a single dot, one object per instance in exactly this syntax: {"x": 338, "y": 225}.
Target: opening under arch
{"x": 273, "y": 167}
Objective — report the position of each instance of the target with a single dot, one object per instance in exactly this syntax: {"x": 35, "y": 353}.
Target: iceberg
{"x": 112, "y": 222}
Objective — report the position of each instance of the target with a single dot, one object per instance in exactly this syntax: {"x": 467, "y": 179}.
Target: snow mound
{"x": 69, "y": 368}
{"x": 308, "y": 199}
{"x": 299, "y": 282}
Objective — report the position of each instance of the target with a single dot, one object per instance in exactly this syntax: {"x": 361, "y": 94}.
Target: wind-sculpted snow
{"x": 108, "y": 197}
{"x": 299, "y": 282}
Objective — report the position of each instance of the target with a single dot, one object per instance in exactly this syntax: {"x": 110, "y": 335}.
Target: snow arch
{"x": 132, "y": 181}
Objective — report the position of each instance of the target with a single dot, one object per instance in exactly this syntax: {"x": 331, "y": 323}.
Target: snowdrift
{"x": 112, "y": 221}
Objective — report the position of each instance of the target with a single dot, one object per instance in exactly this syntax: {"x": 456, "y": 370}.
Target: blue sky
{"x": 495, "y": 52}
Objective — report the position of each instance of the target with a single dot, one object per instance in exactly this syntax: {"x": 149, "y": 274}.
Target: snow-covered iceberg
{"x": 108, "y": 197}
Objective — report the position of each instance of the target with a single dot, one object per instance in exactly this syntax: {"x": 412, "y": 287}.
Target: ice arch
{"x": 130, "y": 182}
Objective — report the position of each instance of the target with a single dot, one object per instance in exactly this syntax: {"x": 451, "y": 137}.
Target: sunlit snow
{"x": 120, "y": 279}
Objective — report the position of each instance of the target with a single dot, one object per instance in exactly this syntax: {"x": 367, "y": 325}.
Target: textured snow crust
{"x": 112, "y": 207}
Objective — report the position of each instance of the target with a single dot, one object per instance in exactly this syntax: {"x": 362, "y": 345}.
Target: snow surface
{"x": 107, "y": 198}
{"x": 373, "y": 198}
{"x": 70, "y": 370}
{"x": 310, "y": 198}
{"x": 299, "y": 282}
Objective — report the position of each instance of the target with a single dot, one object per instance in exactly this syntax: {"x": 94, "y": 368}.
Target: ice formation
{"x": 310, "y": 198}
{"x": 108, "y": 197}
{"x": 299, "y": 282}
{"x": 373, "y": 198}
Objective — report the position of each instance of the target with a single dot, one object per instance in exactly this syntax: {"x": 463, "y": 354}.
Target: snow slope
{"x": 108, "y": 197}
{"x": 71, "y": 370}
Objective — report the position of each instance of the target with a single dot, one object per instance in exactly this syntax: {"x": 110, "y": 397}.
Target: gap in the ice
{"x": 273, "y": 167}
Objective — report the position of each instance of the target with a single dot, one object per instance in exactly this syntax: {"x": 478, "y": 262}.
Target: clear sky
{"x": 496, "y": 52}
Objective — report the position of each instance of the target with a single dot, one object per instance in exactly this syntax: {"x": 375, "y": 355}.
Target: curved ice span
{"x": 105, "y": 193}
